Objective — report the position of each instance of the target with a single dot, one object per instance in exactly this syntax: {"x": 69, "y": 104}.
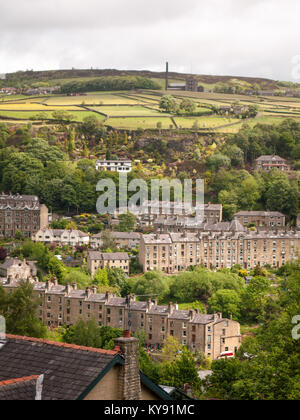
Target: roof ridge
{"x": 19, "y": 380}
{"x": 66, "y": 345}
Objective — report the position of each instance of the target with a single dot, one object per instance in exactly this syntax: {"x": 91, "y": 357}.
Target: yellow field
{"x": 30, "y": 106}
{"x": 91, "y": 99}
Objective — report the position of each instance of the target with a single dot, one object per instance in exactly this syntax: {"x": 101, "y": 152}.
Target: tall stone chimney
{"x": 129, "y": 379}
{"x": 149, "y": 304}
{"x": 171, "y": 308}
{"x": 88, "y": 292}
{"x": 167, "y": 75}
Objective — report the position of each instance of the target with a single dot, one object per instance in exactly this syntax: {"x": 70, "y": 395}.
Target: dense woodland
{"x": 61, "y": 169}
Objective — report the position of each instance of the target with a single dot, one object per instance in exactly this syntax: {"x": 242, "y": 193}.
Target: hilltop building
{"x": 192, "y": 85}
{"x": 268, "y": 162}
{"x": 120, "y": 165}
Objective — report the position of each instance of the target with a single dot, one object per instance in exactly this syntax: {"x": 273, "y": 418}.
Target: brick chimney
{"x": 74, "y": 286}
{"x": 94, "y": 289}
{"x": 191, "y": 314}
{"x": 88, "y": 292}
{"x": 171, "y": 308}
{"x": 49, "y": 285}
{"x": 129, "y": 378}
{"x": 149, "y": 304}
{"x": 68, "y": 288}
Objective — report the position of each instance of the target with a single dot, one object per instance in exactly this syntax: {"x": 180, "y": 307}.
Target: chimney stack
{"x": 68, "y": 288}
{"x": 171, "y": 308}
{"x": 167, "y": 76}
{"x": 74, "y": 286}
{"x": 88, "y": 292}
{"x": 129, "y": 377}
{"x": 149, "y": 304}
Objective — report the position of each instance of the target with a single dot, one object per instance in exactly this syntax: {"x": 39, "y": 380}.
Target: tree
{"x": 19, "y": 310}
{"x": 188, "y": 105}
{"x": 84, "y": 333}
{"x": 169, "y": 104}
{"x": 127, "y": 222}
{"x": 151, "y": 284}
{"x": 255, "y": 298}
{"x": 171, "y": 349}
{"x": 63, "y": 117}
{"x": 218, "y": 160}
{"x": 101, "y": 277}
{"x": 108, "y": 241}
{"x": 226, "y": 301}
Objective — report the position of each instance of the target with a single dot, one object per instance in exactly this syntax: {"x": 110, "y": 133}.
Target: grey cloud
{"x": 233, "y": 37}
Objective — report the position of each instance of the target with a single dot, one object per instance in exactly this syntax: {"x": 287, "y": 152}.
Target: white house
{"x": 121, "y": 165}
{"x": 62, "y": 237}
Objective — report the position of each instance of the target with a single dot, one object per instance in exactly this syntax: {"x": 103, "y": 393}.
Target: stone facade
{"x": 61, "y": 237}
{"x": 150, "y": 211}
{"x": 102, "y": 260}
{"x": 21, "y": 213}
{"x": 126, "y": 240}
{"x": 16, "y": 269}
{"x": 64, "y": 305}
{"x": 267, "y": 219}
{"x": 176, "y": 252}
{"x": 268, "y": 162}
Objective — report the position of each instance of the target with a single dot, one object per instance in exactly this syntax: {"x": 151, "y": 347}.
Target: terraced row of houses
{"x": 64, "y": 305}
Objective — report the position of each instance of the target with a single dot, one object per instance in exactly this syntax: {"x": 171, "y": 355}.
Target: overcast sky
{"x": 224, "y": 37}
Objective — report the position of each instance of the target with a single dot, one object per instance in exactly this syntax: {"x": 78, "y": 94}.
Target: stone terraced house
{"x": 64, "y": 305}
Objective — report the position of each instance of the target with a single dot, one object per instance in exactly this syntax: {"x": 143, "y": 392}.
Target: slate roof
{"x": 259, "y": 213}
{"x": 20, "y": 389}
{"x": 11, "y": 262}
{"x": 270, "y": 158}
{"x": 68, "y": 369}
{"x": 95, "y": 255}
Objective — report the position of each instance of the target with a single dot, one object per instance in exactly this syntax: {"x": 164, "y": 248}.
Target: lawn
{"x": 115, "y": 111}
{"x": 134, "y": 123}
{"x": 30, "y": 115}
{"x": 204, "y": 122}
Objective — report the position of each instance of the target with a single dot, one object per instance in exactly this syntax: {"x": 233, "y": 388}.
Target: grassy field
{"x": 31, "y": 115}
{"x": 134, "y": 123}
{"x": 132, "y": 110}
{"x": 138, "y": 111}
{"x": 204, "y": 122}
